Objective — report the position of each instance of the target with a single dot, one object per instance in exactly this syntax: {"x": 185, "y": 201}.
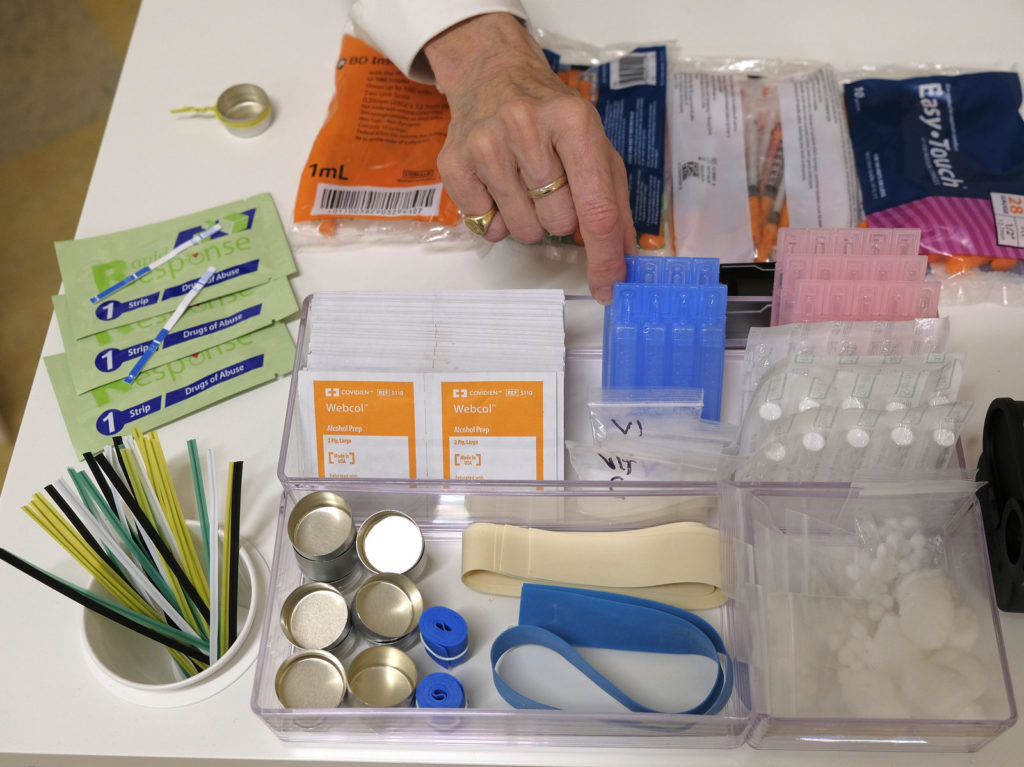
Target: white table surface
{"x": 152, "y": 166}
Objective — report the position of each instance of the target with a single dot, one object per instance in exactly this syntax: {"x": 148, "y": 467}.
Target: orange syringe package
{"x": 373, "y": 166}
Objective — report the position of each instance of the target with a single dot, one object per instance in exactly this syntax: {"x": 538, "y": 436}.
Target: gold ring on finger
{"x": 544, "y": 191}
{"x": 478, "y": 224}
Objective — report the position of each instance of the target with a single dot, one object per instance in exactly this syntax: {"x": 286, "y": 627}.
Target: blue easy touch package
{"x": 667, "y": 328}
{"x": 943, "y": 154}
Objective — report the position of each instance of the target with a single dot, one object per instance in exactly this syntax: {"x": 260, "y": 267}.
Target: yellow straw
{"x": 60, "y": 530}
{"x": 134, "y": 472}
{"x": 176, "y": 525}
{"x": 172, "y": 510}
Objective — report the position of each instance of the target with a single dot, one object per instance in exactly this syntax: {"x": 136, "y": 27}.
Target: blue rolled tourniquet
{"x": 445, "y": 635}
{"x": 440, "y": 690}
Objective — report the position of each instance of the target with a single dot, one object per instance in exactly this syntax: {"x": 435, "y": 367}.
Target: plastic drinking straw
{"x": 52, "y": 523}
{"x": 169, "y": 325}
{"x": 113, "y": 500}
{"x": 161, "y": 583}
{"x": 116, "y": 459}
{"x": 121, "y": 536}
{"x": 214, "y": 567}
{"x": 129, "y": 477}
{"x": 47, "y": 518}
{"x": 194, "y": 240}
{"x": 131, "y": 550}
{"x": 98, "y": 478}
{"x": 147, "y": 526}
{"x": 233, "y": 544}
{"x": 191, "y": 610}
{"x": 82, "y": 530}
{"x": 161, "y": 597}
{"x": 148, "y": 627}
{"x": 197, "y": 488}
{"x": 225, "y": 570}
{"x": 173, "y": 506}
{"x": 120, "y": 532}
{"x": 156, "y": 514}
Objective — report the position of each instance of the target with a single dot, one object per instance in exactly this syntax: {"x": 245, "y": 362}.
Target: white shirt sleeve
{"x": 400, "y": 28}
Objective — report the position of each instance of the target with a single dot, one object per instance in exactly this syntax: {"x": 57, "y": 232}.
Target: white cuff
{"x": 400, "y": 28}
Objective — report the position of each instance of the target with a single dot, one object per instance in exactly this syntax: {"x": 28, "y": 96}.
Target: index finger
{"x": 600, "y": 192}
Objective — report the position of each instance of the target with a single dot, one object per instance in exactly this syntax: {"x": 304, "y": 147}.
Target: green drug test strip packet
{"x": 250, "y": 249}
{"x": 170, "y": 391}
{"x": 109, "y": 355}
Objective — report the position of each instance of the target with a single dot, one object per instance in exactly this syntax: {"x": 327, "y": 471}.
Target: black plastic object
{"x": 1001, "y": 467}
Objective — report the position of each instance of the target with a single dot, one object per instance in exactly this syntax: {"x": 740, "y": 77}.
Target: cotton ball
{"x": 890, "y": 649}
{"x": 910, "y": 522}
{"x": 872, "y": 694}
{"x": 935, "y": 690}
{"x": 926, "y": 607}
{"x": 968, "y": 666}
{"x": 966, "y": 628}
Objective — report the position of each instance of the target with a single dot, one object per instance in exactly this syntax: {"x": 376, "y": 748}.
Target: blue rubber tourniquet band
{"x": 445, "y": 635}
{"x": 440, "y": 690}
{"x": 559, "y": 617}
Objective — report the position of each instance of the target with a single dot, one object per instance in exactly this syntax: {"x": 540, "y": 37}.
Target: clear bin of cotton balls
{"x": 873, "y": 606}
{"x": 912, "y": 647}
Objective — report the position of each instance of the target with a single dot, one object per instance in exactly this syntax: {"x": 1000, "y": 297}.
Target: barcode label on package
{"x": 335, "y": 200}
{"x": 633, "y": 69}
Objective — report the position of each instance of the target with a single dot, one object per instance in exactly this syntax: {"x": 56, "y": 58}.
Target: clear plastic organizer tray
{"x": 838, "y": 660}
{"x": 488, "y": 720}
{"x": 769, "y": 707}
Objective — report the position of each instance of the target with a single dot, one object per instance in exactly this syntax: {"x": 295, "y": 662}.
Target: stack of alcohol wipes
{"x": 462, "y": 385}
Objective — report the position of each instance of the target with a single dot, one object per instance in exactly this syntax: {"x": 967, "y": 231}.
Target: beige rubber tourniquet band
{"x": 678, "y": 563}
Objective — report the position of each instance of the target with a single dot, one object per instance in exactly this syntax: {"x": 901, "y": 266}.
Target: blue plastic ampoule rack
{"x": 666, "y": 328}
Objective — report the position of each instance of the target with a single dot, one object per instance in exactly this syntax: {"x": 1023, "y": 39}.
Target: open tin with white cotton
{"x": 391, "y": 542}
{"x": 315, "y": 616}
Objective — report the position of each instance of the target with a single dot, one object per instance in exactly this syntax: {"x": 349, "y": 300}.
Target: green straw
{"x": 151, "y": 531}
{"x": 142, "y": 624}
{"x": 197, "y": 487}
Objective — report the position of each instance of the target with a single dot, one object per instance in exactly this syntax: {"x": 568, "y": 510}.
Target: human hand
{"x": 515, "y": 126}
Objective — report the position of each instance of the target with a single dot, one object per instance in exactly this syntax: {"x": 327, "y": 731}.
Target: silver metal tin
{"x": 311, "y": 679}
{"x": 315, "y": 616}
{"x": 391, "y": 542}
{"x": 323, "y": 535}
{"x": 383, "y": 677}
{"x": 387, "y": 608}
{"x": 245, "y": 110}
